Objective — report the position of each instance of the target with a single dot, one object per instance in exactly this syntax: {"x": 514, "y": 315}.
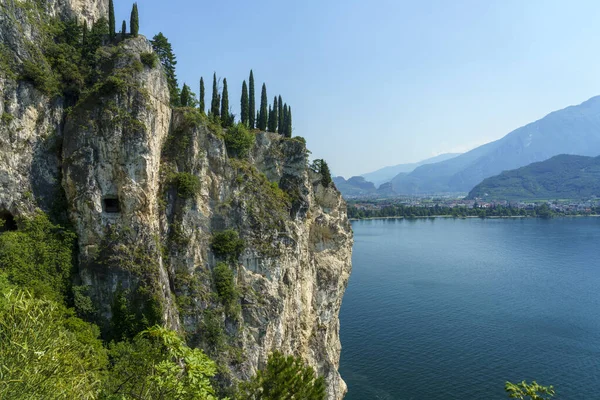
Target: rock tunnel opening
{"x": 7, "y": 222}
{"x": 111, "y": 205}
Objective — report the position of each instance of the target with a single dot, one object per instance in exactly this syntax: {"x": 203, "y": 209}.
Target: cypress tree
{"x": 270, "y": 119}
{"x": 134, "y": 21}
{"x": 123, "y": 29}
{"x": 251, "y": 102}
{"x": 111, "y": 20}
{"x": 202, "y": 105}
{"x": 288, "y": 126}
{"x": 225, "y": 104}
{"x": 214, "y": 105}
{"x": 262, "y": 116}
{"x": 164, "y": 51}
{"x": 244, "y": 104}
{"x": 280, "y": 115}
{"x": 284, "y": 120}
{"x": 273, "y": 127}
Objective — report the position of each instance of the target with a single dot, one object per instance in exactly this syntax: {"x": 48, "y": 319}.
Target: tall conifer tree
{"x": 111, "y": 20}
{"x": 270, "y": 119}
{"x": 251, "y": 102}
{"x": 244, "y": 110}
{"x": 134, "y": 21}
{"x": 279, "y": 115}
{"x": 262, "y": 116}
{"x": 202, "y": 105}
{"x": 273, "y": 128}
{"x": 214, "y": 105}
{"x": 225, "y": 104}
{"x": 284, "y": 119}
{"x": 164, "y": 51}
{"x": 288, "y": 127}
{"x": 123, "y": 29}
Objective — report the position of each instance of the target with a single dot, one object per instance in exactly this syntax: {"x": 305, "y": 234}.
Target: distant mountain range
{"x": 386, "y": 174}
{"x": 573, "y": 130}
{"x": 560, "y": 177}
{"x": 355, "y": 186}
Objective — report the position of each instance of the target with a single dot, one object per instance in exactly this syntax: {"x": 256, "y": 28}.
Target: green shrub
{"x": 223, "y": 276}
{"x": 239, "y": 141}
{"x": 7, "y": 118}
{"x": 188, "y": 185}
{"x": 227, "y": 245}
{"x": 285, "y": 378}
{"x": 149, "y": 59}
{"x": 41, "y": 76}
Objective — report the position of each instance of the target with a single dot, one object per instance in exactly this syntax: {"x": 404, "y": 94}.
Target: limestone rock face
{"x": 113, "y": 162}
{"x": 297, "y": 261}
{"x": 112, "y": 145}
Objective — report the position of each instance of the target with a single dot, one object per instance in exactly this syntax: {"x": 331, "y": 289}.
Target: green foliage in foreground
{"x": 46, "y": 353}
{"x": 227, "y": 245}
{"x": 532, "y": 391}
{"x": 38, "y": 256}
{"x": 158, "y": 365}
{"x": 239, "y": 141}
{"x": 285, "y": 378}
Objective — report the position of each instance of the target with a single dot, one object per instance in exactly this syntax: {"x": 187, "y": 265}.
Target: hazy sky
{"x": 377, "y": 83}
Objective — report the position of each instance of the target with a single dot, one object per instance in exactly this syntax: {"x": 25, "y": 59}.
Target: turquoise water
{"x": 452, "y": 308}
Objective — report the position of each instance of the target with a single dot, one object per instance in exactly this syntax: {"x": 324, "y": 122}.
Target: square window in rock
{"x": 110, "y": 205}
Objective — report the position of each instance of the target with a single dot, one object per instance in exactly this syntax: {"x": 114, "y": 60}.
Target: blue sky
{"x": 382, "y": 82}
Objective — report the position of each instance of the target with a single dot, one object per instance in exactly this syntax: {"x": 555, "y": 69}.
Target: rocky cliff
{"x": 146, "y": 188}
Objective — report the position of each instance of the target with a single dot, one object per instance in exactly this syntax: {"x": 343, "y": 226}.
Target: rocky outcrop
{"x": 115, "y": 160}
{"x": 296, "y": 264}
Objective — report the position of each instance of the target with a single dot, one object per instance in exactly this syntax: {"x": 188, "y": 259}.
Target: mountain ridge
{"x": 571, "y": 130}
{"x": 386, "y": 174}
{"x": 561, "y": 177}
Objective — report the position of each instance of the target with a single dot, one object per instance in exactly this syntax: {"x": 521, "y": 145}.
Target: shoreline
{"x": 473, "y": 216}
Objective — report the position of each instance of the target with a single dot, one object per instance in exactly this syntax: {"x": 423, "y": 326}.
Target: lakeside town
{"x": 459, "y": 206}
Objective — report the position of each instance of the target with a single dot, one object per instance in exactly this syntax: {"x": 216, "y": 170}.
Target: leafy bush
{"x": 239, "y": 141}
{"x": 149, "y": 59}
{"x": 223, "y": 276}
{"x": 532, "y": 391}
{"x": 46, "y": 353}
{"x": 227, "y": 245}
{"x": 188, "y": 185}
{"x": 284, "y": 378}
{"x": 38, "y": 256}
{"x": 157, "y": 364}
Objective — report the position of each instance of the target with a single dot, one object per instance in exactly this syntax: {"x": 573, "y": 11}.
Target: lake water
{"x": 452, "y": 308}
